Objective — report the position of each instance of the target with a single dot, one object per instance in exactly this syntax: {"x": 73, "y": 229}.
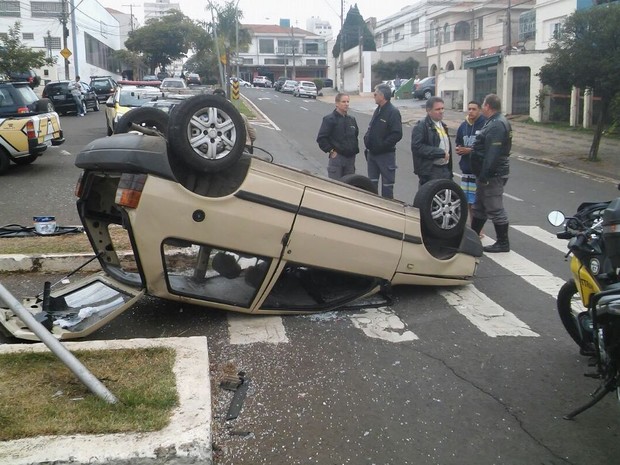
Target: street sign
{"x": 66, "y": 53}
{"x": 235, "y": 90}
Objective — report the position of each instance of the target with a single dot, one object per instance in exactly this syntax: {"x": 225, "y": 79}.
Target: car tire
{"x": 443, "y": 208}
{"x": 44, "y": 105}
{"x": 206, "y": 133}
{"x": 427, "y": 94}
{"x": 147, "y": 117}
{"x": 25, "y": 160}
{"x": 5, "y": 161}
{"x": 359, "y": 181}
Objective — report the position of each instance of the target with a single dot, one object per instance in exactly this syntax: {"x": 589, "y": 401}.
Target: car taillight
{"x": 129, "y": 190}
{"x": 23, "y": 110}
{"x": 79, "y": 188}
{"x": 30, "y": 130}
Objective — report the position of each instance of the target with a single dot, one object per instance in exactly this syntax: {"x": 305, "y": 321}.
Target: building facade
{"x": 91, "y": 35}
{"x": 283, "y": 51}
{"x": 158, "y": 9}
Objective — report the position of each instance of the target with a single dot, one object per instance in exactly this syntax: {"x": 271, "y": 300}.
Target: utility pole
{"x": 360, "y": 47}
{"x": 76, "y": 61}
{"x": 509, "y": 32}
{"x": 341, "y": 87}
{"x": 237, "y": 37}
{"x": 293, "y": 47}
{"x": 131, "y": 15}
{"x": 437, "y": 71}
{"x": 217, "y": 46}
{"x": 65, "y": 34}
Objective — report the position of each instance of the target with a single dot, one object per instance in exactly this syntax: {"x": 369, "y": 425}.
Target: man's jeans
{"x": 383, "y": 165}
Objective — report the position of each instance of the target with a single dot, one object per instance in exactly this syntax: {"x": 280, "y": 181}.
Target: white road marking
{"x": 250, "y": 329}
{"x": 381, "y": 323}
{"x": 485, "y": 314}
{"x": 513, "y": 197}
{"x": 526, "y": 270}
{"x": 304, "y": 108}
{"x": 65, "y": 152}
{"x": 543, "y": 236}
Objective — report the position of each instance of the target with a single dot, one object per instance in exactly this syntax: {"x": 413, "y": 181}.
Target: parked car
{"x": 192, "y": 79}
{"x": 327, "y": 82}
{"x": 162, "y": 75}
{"x": 60, "y": 95}
{"x": 288, "y": 87}
{"x": 277, "y": 86}
{"x": 103, "y": 86}
{"x": 243, "y": 83}
{"x": 261, "y": 81}
{"x": 187, "y": 202}
{"x": 28, "y": 76}
{"x": 305, "y": 88}
{"x": 28, "y": 125}
{"x": 172, "y": 84}
{"x": 150, "y": 77}
{"x": 424, "y": 89}
{"x": 124, "y": 99}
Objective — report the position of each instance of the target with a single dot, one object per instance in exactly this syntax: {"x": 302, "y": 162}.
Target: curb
{"x": 186, "y": 440}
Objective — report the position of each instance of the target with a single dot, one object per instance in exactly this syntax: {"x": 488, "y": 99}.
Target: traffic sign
{"x": 66, "y": 53}
{"x": 235, "y": 90}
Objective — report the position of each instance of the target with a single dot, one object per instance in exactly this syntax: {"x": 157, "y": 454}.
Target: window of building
{"x": 311, "y": 62}
{"x": 399, "y": 33}
{"x": 462, "y": 31}
{"x": 311, "y": 48}
{"x": 275, "y": 61}
{"x": 28, "y": 36}
{"x": 322, "y": 61}
{"x": 415, "y": 26}
{"x": 52, "y": 43}
{"x": 476, "y": 30}
{"x": 46, "y": 9}
{"x": 386, "y": 37}
{"x": 99, "y": 54}
{"x": 446, "y": 34}
{"x": 265, "y": 46}
{"x": 10, "y": 9}
{"x": 556, "y": 30}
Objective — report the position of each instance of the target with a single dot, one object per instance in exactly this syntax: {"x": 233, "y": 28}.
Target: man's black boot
{"x": 477, "y": 224}
{"x": 502, "y": 244}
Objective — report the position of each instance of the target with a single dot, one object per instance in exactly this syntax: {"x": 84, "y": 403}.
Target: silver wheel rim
{"x": 211, "y": 133}
{"x": 446, "y": 209}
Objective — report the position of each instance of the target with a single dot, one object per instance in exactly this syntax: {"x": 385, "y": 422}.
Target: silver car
{"x": 288, "y": 87}
{"x": 306, "y": 89}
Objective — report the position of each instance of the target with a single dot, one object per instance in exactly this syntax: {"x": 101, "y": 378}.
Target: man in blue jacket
{"x": 384, "y": 132}
{"x": 465, "y": 138}
{"x": 489, "y": 161}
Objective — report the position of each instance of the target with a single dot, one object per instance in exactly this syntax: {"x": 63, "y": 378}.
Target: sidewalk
{"x": 567, "y": 149}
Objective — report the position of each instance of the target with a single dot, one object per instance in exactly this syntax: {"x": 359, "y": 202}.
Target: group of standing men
{"x": 483, "y": 143}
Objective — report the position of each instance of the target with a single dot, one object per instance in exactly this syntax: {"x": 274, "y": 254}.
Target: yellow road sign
{"x": 66, "y": 53}
{"x": 235, "y": 90}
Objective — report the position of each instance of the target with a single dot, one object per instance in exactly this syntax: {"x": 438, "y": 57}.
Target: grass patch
{"x": 40, "y": 396}
{"x": 68, "y": 243}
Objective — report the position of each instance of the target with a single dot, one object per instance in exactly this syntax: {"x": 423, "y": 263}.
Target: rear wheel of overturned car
{"x": 360, "y": 181}
{"x": 206, "y": 133}
{"x": 443, "y": 208}
{"x": 146, "y": 117}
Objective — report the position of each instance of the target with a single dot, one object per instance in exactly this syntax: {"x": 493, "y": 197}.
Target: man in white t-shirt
{"x": 430, "y": 145}
{"x": 76, "y": 92}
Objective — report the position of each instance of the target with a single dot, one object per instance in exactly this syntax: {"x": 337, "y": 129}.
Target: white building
{"x": 158, "y": 9}
{"x": 93, "y": 33}
{"x": 319, "y": 27}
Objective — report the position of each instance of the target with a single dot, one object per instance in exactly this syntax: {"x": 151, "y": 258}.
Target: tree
{"x": 389, "y": 70}
{"x": 166, "y": 39}
{"x": 352, "y": 28}
{"x": 17, "y": 57}
{"x": 587, "y": 54}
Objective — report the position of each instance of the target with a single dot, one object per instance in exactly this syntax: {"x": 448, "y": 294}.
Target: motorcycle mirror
{"x": 556, "y": 218}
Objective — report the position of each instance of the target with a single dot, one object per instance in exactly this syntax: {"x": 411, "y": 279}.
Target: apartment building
{"x": 283, "y": 51}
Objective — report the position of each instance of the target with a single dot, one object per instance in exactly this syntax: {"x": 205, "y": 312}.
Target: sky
{"x": 270, "y": 11}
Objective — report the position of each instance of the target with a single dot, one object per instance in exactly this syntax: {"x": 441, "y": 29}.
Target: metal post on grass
{"x": 54, "y": 345}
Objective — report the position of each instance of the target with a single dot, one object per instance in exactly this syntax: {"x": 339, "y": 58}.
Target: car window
{"x": 135, "y": 98}
{"x": 227, "y": 276}
{"x": 6, "y": 99}
{"x": 27, "y": 95}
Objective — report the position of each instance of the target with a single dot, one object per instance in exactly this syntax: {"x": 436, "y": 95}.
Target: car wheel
{"x": 207, "y": 133}
{"x": 362, "y": 182}
{"x": 44, "y": 105}
{"x": 427, "y": 94}
{"x": 5, "y": 161}
{"x": 147, "y": 117}
{"x": 25, "y": 160}
{"x": 96, "y": 107}
{"x": 443, "y": 208}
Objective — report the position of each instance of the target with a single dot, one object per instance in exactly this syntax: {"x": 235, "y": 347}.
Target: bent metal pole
{"x": 53, "y": 344}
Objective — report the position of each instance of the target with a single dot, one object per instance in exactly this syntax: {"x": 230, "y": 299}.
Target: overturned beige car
{"x": 213, "y": 226}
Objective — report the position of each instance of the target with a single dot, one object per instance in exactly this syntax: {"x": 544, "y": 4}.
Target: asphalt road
{"x": 429, "y": 379}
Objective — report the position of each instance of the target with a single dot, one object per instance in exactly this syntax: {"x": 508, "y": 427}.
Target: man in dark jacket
{"x": 430, "y": 145}
{"x": 384, "y": 132}
{"x": 465, "y": 138}
{"x": 490, "y": 164}
{"x": 338, "y": 138}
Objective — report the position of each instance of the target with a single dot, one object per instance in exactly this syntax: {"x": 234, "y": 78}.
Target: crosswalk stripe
{"x": 525, "y": 269}
{"x": 249, "y": 329}
{"x": 484, "y": 313}
{"x": 382, "y": 323}
{"x": 543, "y": 236}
